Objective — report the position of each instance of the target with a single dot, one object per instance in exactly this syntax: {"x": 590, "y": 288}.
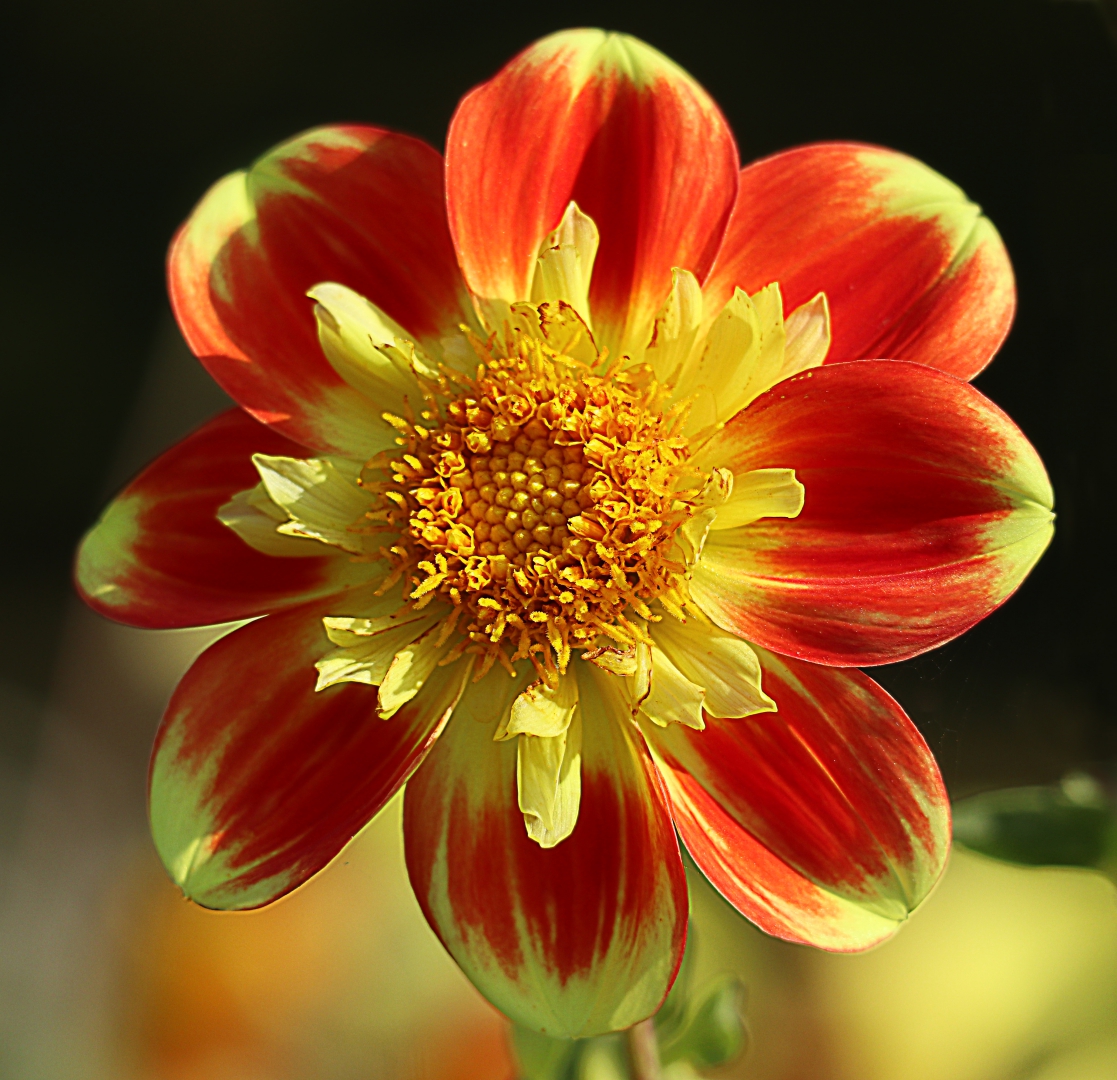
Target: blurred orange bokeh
{"x": 340, "y": 979}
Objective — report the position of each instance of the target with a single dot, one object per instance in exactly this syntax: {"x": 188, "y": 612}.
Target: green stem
{"x": 643, "y": 1051}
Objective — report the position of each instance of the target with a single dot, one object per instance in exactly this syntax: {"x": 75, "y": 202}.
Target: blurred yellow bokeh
{"x": 1003, "y": 973}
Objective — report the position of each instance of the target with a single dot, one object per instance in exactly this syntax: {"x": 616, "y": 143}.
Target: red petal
{"x": 257, "y": 781}
{"x": 824, "y": 823}
{"x": 612, "y": 124}
{"x": 573, "y": 940}
{"x": 355, "y": 205}
{"x": 159, "y": 558}
{"x": 912, "y": 269}
{"x": 925, "y": 508}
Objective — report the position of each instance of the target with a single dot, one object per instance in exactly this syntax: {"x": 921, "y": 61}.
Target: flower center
{"x": 539, "y": 499}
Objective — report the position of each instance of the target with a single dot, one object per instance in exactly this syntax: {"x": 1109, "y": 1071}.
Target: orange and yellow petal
{"x": 608, "y": 122}
{"x": 912, "y": 268}
{"x": 825, "y": 823}
{"x": 572, "y": 940}
{"x": 924, "y": 507}
{"x": 358, "y": 206}
{"x": 160, "y": 558}
{"x": 257, "y": 781}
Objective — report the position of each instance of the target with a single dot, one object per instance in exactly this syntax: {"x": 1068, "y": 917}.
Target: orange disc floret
{"x": 540, "y": 497}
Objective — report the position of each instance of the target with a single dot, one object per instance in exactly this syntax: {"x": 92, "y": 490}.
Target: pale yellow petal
{"x": 615, "y": 661}
{"x": 409, "y": 669}
{"x": 319, "y": 495}
{"x": 347, "y": 631}
{"x": 458, "y": 353}
{"x": 549, "y": 783}
{"x": 565, "y": 263}
{"x": 366, "y": 663}
{"x": 672, "y": 698}
{"x": 702, "y": 413}
{"x": 691, "y": 535}
{"x": 743, "y": 355}
{"x": 773, "y": 334}
{"x": 367, "y": 646}
{"x": 723, "y": 364}
{"x": 721, "y": 663}
{"x": 808, "y": 336}
{"x": 255, "y": 519}
{"x": 675, "y": 328}
{"x": 759, "y": 494}
{"x": 640, "y": 685}
{"x": 493, "y": 314}
{"x": 762, "y": 366}
{"x": 541, "y": 711}
{"x": 553, "y": 321}
{"x": 367, "y": 348}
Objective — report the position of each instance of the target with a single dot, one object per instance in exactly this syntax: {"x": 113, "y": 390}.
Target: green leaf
{"x": 1069, "y": 824}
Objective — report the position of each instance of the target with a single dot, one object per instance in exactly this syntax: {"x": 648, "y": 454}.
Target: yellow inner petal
{"x": 676, "y": 328}
{"x": 322, "y": 502}
{"x": 759, "y": 494}
{"x": 409, "y": 670}
{"x": 565, "y": 263}
{"x": 367, "y": 647}
{"x": 549, "y": 783}
{"x": 255, "y": 518}
{"x": 808, "y": 336}
{"x": 671, "y": 697}
{"x": 724, "y": 665}
{"x": 541, "y": 711}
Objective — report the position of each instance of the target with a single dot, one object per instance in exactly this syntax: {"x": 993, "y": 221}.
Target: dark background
{"x": 118, "y": 114}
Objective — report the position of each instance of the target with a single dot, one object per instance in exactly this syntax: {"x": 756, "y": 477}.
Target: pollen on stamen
{"x": 539, "y": 499}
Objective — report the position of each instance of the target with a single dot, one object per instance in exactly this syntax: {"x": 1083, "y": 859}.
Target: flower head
{"x": 572, "y": 491}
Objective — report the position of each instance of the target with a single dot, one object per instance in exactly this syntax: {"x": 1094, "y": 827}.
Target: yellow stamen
{"x": 540, "y": 498}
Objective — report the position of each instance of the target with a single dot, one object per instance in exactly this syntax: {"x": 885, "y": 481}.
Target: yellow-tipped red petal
{"x": 354, "y": 205}
{"x": 911, "y": 268}
{"x": 160, "y": 558}
{"x": 606, "y": 121}
{"x": 257, "y": 781}
{"x": 573, "y": 940}
{"x": 826, "y": 822}
{"x": 924, "y": 507}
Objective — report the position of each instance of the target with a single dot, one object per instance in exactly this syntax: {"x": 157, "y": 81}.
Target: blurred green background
{"x": 117, "y": 115}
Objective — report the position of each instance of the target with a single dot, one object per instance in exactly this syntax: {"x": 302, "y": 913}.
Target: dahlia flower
{"x": 566, "y": 487}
